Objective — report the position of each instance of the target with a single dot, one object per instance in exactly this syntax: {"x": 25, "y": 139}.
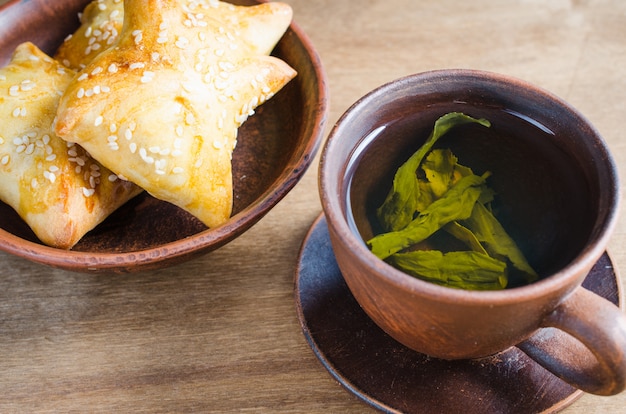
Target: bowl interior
{"x": 551, "y": 177}
{"x": 275, "y": 147}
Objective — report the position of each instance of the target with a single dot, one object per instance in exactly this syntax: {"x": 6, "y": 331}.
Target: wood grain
{"x": 220, "y": 333}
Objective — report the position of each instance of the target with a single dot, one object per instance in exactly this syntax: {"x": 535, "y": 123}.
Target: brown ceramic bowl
{"x": 556, "y": 194}
{"x": 275, "y": 147}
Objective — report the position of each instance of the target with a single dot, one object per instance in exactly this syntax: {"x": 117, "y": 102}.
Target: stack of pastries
{"x": 145, "y": 95}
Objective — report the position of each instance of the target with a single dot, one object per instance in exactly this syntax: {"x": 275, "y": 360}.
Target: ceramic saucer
{"x": 393, "y": 378}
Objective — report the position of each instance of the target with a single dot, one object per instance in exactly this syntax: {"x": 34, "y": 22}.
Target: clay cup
{"x": 557, "y": 194}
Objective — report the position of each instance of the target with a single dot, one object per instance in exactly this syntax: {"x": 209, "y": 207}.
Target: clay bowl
{"x": 275, "y": 148}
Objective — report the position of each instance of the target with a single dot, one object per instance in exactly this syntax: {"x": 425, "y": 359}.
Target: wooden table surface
{"x": 221, "y": 333}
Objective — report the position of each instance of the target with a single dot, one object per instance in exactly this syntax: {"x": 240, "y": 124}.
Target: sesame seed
{"x": 88, "y": 192}
{"x": 182, "y": 42}
{"x": 160, "y": 164}
{"x": 112, "y": 68}
{"x": 5, "y": 159}
{"x": 136, "y": 65}
{"x": 96, "y": 71}
{"x": 177, "y": 170}
{"x": 80, "y": 93}
{"x": 112, "y": 178}
{"x": 82, "y": 77}
{"x": 14, "y": 90}
{"x": 133, "y": 147}
{"x": 49, "y": 176}
{"x": 98, "y": 121}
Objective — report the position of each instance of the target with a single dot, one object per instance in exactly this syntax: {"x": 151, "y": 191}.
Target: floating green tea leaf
{"x": 496, "y": 240}
{"x": 432, "y": 192}
{"x": 456, "y": 204}
{"x": 400, "y": 205}
{"x": 464, "y": 269}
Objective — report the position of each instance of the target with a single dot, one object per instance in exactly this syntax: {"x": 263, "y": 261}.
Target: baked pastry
{"x": 100, "y": 25}
{"x": 54, "y": 185}
{"x": 162, "y": 107}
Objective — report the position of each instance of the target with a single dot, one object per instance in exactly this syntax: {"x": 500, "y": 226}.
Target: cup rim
{"x": 329, "y": 189}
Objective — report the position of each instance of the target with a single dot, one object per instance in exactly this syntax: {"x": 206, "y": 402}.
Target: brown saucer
{"x": 392, "y": 378}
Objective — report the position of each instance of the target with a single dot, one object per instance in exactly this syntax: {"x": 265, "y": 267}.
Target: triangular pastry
{"x": 162, "y": 107}
{"x": 100, "y": 25}
{"x": 55, "y": 186}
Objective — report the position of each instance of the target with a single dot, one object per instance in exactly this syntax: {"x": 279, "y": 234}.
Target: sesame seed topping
{"x": 49, "y": 176}
{"x": 98, "y": 121}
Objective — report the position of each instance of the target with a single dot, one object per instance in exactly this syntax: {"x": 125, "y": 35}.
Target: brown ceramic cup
{"x": 557, "y": 194}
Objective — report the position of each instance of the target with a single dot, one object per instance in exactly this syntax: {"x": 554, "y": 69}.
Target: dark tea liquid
{"x": 543, "y": 199}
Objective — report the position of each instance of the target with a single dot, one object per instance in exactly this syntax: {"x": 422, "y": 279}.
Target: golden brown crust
{"x": 162, "y": 107}
{"x": 57, "y": 188}
{"x": 101, "y": 23}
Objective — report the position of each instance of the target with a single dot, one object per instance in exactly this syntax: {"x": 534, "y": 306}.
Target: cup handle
{"x": 583, "y": 343}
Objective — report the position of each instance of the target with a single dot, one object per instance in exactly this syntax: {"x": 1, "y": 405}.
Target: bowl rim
{"x": 212, "y": 238}
{"x": 330, "y": 190}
